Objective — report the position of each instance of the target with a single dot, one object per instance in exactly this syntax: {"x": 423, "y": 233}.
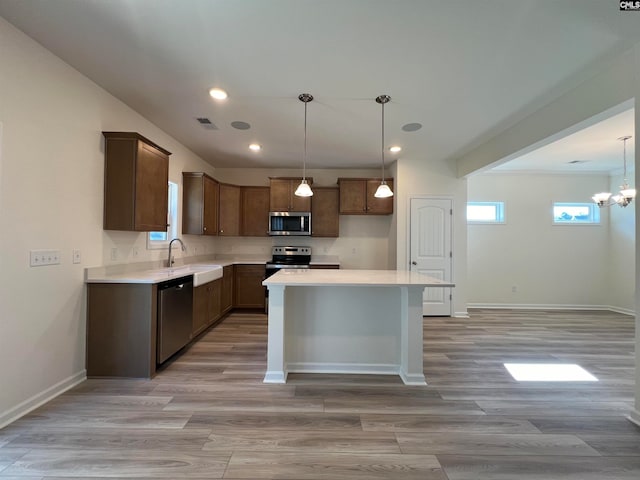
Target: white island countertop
{"x": 343, "y": 277}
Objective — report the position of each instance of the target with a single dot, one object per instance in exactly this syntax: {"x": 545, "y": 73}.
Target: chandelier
{"x": 626, "y": 195}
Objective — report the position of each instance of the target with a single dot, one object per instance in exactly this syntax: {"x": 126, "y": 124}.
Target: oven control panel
{"x": 291, "y": 251}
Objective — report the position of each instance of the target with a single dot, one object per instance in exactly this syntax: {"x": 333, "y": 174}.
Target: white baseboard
{"x": 464, "y": 314}
{"x": 540, "y": 306}
{"x": 41, "y": 398}
{"x": 354, "y": 368}
{"x": 634, "y": 417}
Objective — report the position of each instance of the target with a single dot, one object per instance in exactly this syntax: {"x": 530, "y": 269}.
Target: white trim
{"x": 634, "y": 417}
{"x": 353, "y": 368}
{"x": 540, "y": 306}
{"x": 464, "y": 314}
{"x": 172, "y": 219}
{"x": 41, "y": 398}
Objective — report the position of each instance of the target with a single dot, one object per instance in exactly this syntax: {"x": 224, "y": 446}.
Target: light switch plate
{"x": 40, "y": 258}
{"x": 77, "y": 257}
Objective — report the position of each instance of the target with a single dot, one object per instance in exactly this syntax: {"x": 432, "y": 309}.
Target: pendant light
{"x": 304, "y": 190}
{"x": 626, "y": 195}
{"x": 383, "y": 190}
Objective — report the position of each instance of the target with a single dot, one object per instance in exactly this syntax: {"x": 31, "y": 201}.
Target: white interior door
{"x": 431, "y": 250}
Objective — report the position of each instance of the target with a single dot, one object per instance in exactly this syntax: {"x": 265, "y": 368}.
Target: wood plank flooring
{"x": 208, "y": 415}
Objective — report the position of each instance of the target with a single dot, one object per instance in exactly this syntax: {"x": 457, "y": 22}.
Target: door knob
{"x": 414, "y": 263}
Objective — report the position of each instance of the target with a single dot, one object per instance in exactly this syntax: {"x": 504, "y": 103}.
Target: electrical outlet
{"x": 114, "y": 253}
{"x": 77, "y": 257}
{"x": 353, "y": 250}
{"x": 135, "y": 251}
{"x": 514, "y": 289}
{"x": 39, "y": 258}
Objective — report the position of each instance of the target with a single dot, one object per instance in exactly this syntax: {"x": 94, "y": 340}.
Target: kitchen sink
{"x": 202, "y": 273}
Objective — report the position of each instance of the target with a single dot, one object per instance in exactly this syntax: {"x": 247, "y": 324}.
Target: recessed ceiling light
{"x": 218, "y": 94}
{"x": 240, "y": 125}
{"x": 395, "y": 149}
{"x": 411, "y": 127}
{"x": 255, "y": 147}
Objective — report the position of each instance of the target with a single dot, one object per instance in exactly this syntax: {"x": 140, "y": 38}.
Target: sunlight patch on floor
{"x": 549, "y": 372}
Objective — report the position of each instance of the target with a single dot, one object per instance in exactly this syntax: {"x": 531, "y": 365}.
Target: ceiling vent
{"x": 206, "y": 123}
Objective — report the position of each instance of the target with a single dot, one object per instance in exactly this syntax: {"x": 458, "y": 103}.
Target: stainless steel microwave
{"x": 289, "y": 223}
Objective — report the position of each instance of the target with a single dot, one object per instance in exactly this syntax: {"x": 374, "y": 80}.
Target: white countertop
{"x": 371, "y": 278}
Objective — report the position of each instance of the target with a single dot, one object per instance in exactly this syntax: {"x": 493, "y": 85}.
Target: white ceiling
{"x": 464, "y": 69}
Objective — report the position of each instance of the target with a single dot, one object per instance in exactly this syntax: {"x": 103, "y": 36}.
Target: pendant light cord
{"x": 382, "y": 149}
{"x": 304, "y": 159}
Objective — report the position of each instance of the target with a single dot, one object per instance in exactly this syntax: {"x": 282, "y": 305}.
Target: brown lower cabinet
{"x": 122, "y": 318}
{"x": 207, "y": 305}
{"x": 121, "y": 329}
{"x": 248, "y": 290}
{"x": 227, "y": 289}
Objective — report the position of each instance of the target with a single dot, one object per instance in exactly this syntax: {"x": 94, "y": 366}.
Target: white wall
{"x": 621, "y": 250}
{"x": 550, "y": 265}
{"x": 51, "y": 187}
{"x": 425, "y": 177}
{"x": 363, "y": 241}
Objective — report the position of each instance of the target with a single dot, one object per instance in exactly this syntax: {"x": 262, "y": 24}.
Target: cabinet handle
{"x": 221, "y": 231}
{"x": 204, "y": 229}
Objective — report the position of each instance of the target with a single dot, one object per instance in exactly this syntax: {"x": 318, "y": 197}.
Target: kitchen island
{"x": 346, "y": 321}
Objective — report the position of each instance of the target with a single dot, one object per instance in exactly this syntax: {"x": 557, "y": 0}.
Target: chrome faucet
{"x": 170, "y": 260}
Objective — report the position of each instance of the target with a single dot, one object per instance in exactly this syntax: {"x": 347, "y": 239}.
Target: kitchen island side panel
{"x": 330, "y": 328}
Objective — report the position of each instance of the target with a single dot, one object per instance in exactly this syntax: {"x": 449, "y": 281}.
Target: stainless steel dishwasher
{"x": 175, "y": 313}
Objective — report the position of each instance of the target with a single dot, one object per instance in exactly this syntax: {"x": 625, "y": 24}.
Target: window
{"x": 576, "y": 213}
{"x": 161, "y": 239}
{"x": 485, "y": 212}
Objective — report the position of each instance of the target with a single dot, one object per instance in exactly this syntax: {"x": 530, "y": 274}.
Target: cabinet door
{"x": 248, "y": 289}
{"x": 200, "y": 309}
{"x": 325, "y": 221}
{"x": 229, "y": 201}
{"x": 378, "y": 206}
{"x": 279, "y": 195}
{"x": 353, "y": 197}
{"x": 255, "y": 211}
{"x": 210, "y": 217}
{"x": 227, "y": 289}
{"x": 152, "y": 178}
{"x": 215, "y": 300}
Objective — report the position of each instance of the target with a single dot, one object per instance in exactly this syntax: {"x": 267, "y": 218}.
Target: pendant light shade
{"x": 383, "y": 190}
{"x": 304, "y": 190}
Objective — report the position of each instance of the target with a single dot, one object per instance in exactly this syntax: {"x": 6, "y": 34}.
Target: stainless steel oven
{"x": 285, "y": 257}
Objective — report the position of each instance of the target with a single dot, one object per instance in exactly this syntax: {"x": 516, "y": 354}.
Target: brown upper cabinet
{"x": 136, "y": 183}
{"x": 229, "y": 219}
{"x": 283, "y": 198}
{"x": 199, "y": 204}
{"x": 255, "y": 211}
{"x": 325, "y": 221}
{"x": 357, "y": 197}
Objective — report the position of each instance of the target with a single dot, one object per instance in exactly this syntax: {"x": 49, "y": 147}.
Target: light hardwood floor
{"x": 208, "y": 414}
